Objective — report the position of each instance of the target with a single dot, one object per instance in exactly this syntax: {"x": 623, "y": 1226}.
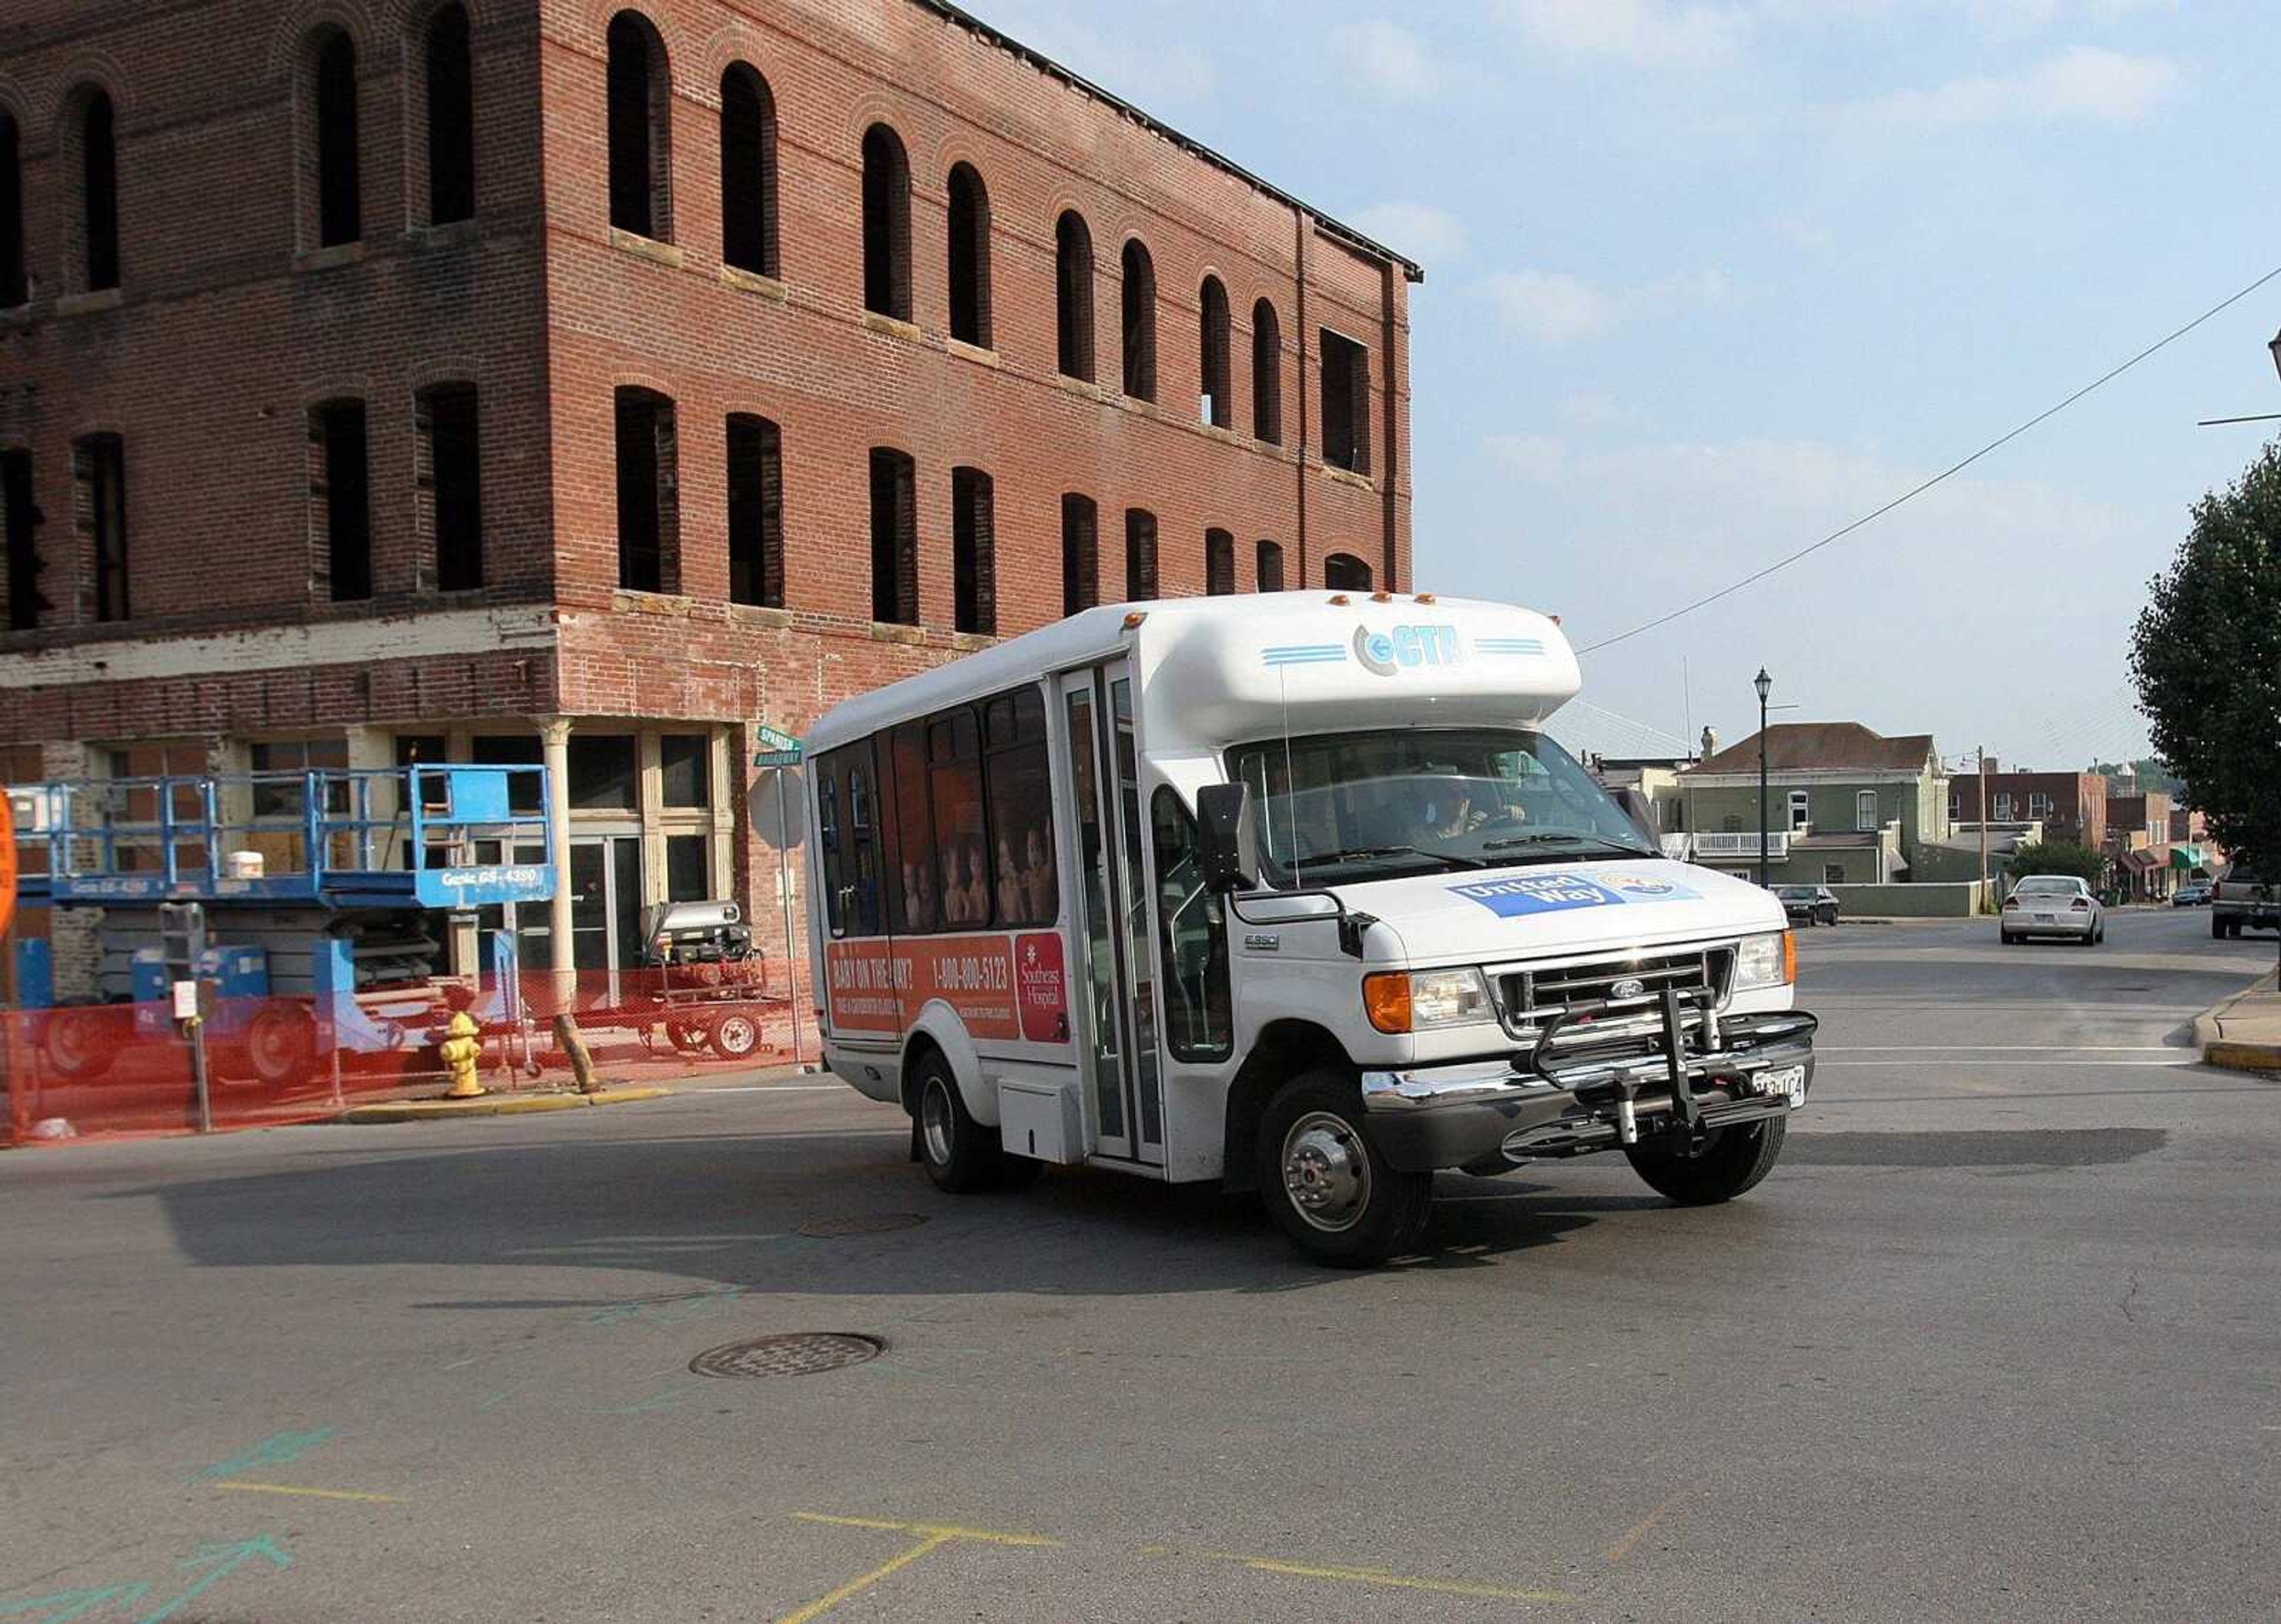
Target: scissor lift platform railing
{"x": 401, "y": 837}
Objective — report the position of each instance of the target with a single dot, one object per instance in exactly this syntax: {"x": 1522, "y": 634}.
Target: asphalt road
{"x": 1997, "y": 1340}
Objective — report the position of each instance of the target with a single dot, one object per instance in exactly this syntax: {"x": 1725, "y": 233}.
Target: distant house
{"x": 2070, "y": 805}
{"x": 1844, "y": 805}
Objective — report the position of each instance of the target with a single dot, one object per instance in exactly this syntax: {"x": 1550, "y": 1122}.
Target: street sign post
{"x": 775, "y": 747}
{"x": 182, "y": 943}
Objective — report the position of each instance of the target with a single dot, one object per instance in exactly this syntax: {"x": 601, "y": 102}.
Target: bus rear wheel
{"x": 1326, "y": 1186}
{"x": 961, "y": 1155}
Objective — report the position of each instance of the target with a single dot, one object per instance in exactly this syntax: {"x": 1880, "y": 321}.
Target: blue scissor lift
{"x": 317, "y": 886}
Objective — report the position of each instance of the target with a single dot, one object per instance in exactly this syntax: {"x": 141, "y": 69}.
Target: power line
{"x": 1916, "y": 491}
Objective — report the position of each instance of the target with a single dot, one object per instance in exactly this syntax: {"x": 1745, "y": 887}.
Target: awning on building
{"x": 2141, "y": 862}
{"x": 2187, "y": 857}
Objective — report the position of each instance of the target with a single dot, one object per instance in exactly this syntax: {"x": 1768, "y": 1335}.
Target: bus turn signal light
{"x": 1789, "y": 958}
{"x": 1386, "y": 999}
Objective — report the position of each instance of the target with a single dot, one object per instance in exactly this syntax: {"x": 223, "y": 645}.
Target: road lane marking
{"x": 1378, "y": 1577}
{"x": 777, "y": 1088}
{"x": 243, "y": 1487}
{"x": 2004, "y": 1049}
{"x": 1622, "y": 1548}
{"x": 933, "y": 1537}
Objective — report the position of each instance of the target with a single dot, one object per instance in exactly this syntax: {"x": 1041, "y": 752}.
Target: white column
{"x": 555, "y": 738}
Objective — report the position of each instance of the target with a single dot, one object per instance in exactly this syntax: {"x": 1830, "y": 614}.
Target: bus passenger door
{"x": 1115, "y": 974}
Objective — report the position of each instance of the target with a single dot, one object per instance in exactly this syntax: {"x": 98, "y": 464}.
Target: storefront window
{"x": 684, "y": 764}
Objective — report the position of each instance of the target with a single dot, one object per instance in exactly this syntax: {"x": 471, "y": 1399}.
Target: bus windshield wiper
{"x": 1546, "y": 837}
{"x": 1360, "y": 851}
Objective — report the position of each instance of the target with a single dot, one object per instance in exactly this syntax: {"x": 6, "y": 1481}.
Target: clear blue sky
{"x": 1706, "y": 281}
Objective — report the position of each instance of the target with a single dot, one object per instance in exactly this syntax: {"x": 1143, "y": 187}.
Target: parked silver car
{"x": 2053, "y": 905}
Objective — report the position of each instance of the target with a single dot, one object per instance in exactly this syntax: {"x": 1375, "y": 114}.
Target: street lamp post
{"x": 1765, "y": 684}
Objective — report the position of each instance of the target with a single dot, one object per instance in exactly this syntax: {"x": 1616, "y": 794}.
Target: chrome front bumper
{"x": 1488, "y": 1114}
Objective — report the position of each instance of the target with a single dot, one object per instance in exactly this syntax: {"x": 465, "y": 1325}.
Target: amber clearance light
{"x": 1386, "y": 999}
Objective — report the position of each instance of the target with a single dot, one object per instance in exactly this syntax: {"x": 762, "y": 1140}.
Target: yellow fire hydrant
{"x": 462, "y": 1049}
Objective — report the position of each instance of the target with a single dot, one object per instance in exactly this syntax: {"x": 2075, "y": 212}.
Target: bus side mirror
{"x": 1225, "y": 853}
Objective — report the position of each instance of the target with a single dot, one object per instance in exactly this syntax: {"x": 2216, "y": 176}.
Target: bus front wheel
{"x": 961, "y": 1155}
{"x": 1327, "y": 1187}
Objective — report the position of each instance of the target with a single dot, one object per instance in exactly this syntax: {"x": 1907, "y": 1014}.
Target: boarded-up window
{"x": 1269, "y": 574}
{"x": 1073, "y": 296}
{"x": 894, "y": 537}
{"x": 1216, "y": 404}
{"x": 451, "y": 94}
{"x": 99, "y": 478}
{"x": 639, "y": 115}
{"x": 340, "y": 499}
{"x": 970, "y": 257}
{"x": 1080, "y": 553}
{"x": 1139, "y": 553}
{"x": 1266, "y": 373}
{"x": 1140, "y": 295}
{"x": 1346, "y": 403}
{"x": 749, "y": 171}
{"x": 649, "y": 507}
{"x": 886, "y": 224}
{"x": 340, "y": 203}
{"x": 1220, "y": 562}
{"x": 974, "y": 552}
{"x": 757, "y": 569}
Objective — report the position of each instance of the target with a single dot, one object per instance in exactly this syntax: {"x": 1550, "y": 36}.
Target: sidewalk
{"x": 2244, "y": 1033}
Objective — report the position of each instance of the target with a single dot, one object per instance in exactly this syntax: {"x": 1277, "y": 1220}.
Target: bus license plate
{"x": 1789, "y": 1079}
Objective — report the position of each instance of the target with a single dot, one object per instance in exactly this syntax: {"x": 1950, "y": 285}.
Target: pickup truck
{"x": 2244, "y": 900}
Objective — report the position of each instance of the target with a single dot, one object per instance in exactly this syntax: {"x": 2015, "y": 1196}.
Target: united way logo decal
{"x": 1553, "y": 893}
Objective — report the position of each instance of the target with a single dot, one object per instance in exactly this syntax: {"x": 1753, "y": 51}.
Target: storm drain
{"x": 867, "y": 1223}
{"x": 798, "y": 1353}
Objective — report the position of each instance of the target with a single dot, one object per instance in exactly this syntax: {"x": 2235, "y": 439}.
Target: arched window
{"x": 894, "y": 537}
{"x": 1080, "y": 553}
{"x": 1073, "y": 294}
{"x": 451, "y": 94}
{"x": 640, "y": 128}
{"x": 1267, "y": 374}
{"x": 973, "y": 552}
{"x": 1346, "y": 403}
{"x": 1139, "y": 555}
{"x": 1268, "y": 577}
{"x": 1139, "y": 322}
{"x": 448, "y": 483}
{"x": 340, "y": 501}
{"x": 15, "y": 288}
{"x": 1216, "y": 404}
{"x": 748, "y": 172}
{"x": 1220, "y": 562}
{"x": 96, "y": 224}
{"x": 756, "y": 564}
{"x": 333, "y": 130}
{"x": 1344, "y": 572}
{"x": 970, "y": 257}
{"x": 886, "y": 224}
{"x": 649, "y": 503}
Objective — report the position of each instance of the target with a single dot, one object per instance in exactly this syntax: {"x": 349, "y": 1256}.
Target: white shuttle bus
{"x": 1291, "y": 891}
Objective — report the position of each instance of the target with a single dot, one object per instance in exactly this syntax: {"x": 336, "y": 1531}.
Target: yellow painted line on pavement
{"x": 1379, "y": 1577}
{"x": 932, "y": 1537}
{"x": 857, "y": 1586}
{"x": 946, "y": 1530}
{"x": 243, "y": 1487}
{"x": 1622, "y": 1548}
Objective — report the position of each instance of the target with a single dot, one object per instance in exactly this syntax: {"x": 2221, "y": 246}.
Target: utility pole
{"x": 1983, "y": 823}
{"x": 1763, "y": 683}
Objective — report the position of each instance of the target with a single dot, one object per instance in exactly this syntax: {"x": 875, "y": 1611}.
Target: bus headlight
{"x": 1400, "y": 1001}
{"x": 1765, "y": 960}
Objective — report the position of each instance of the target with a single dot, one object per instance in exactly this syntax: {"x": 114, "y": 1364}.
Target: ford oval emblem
{"x": 1628, "y": 989}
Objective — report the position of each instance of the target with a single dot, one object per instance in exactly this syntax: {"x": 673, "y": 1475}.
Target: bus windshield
{"x": 1369, "y": 805}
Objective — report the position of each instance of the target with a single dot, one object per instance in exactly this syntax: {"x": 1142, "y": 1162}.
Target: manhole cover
{"x": 798, "y": 1353}
{"x": 868, "y": 1224}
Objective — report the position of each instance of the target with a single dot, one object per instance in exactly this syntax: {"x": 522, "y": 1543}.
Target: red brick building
{"x": 556, "y": 379}
{"x": 2071, "y": 806}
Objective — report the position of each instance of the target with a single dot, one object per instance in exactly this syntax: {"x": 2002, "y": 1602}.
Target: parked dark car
{"x": 1813, "y": 904}
{"x": 2193, "y": 894}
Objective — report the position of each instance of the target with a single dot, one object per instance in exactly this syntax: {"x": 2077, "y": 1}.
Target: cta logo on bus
{"x": 1386, "y": 653}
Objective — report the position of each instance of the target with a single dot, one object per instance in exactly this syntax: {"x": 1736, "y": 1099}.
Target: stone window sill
{"x": 753, "y": 281}
{"x": 1360, "y": 481}
{"x": 895, "y": 631}
{"x": 645, "y": 248}
{"x": 82, "y": 304}
{"x": 328, "y": 258}
{"x": 974, "y": 353}
{"x": 452, "y": 234}
{"x": 892, "y": 326}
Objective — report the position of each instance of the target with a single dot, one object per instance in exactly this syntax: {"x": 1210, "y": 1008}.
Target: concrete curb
{"x": 492, "y": 1105}
{"x": 2259, "y": 1054}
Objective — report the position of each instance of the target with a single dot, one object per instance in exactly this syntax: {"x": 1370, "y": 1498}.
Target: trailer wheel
{"x": 734, "y": 1035}
{"x": 1328, "y": 1187}
{"x": 281, "y": 1044}
{"x": 1731, "y": 1161}
{"x": 961, "y": 1155}
{"x": 71, "y": 1044}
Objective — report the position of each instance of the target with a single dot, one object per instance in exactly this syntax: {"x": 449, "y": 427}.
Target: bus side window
{"x": 955, "y": 784}
{"x": 1192, "y": 931}
{"x": 1022, "y": 888}
{"x": 863, "y": 849}
{"x": 912, "y": 894}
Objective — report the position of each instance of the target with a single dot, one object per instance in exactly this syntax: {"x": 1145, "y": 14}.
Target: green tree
{"x": 2207, "y": 657}
{"x": 2058, "y": 857}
